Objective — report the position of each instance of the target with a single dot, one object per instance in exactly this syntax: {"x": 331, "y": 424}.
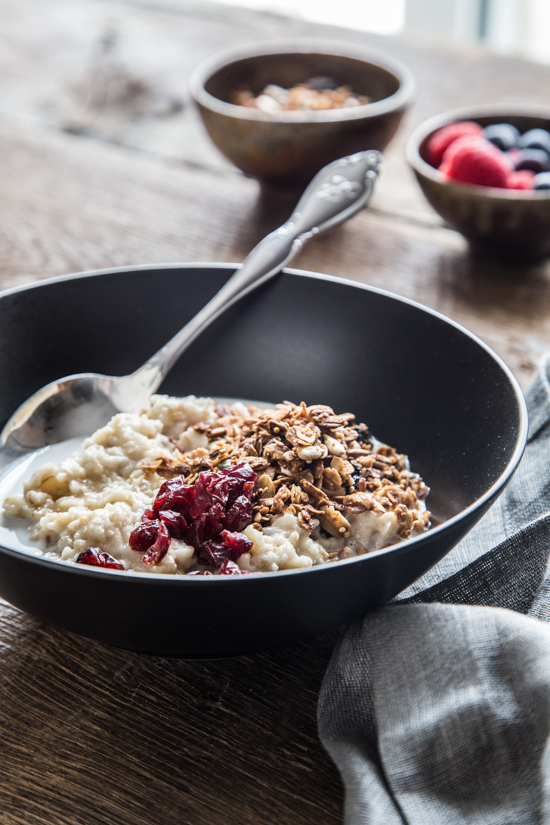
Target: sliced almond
{"x": 311, "y": 453}
{"x": 331, "y": 479}
{"x": 334, "y": 446}
{"x": 335, "y": 523}
{"x": 265, "y": 483}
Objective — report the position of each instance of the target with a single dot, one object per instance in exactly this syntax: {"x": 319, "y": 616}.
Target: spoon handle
{"x": 336, "y": 193}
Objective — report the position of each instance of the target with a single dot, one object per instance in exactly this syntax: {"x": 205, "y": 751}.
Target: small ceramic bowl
{"x": 511, "y": 224}
{"x": 284, "y": 151}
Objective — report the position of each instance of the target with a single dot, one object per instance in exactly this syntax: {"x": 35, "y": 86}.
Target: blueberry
{"x": 321, "y": 84}
{"x": 542, "y": 181}
{"x": 535, "y": 139}
{"x": 534, "y": 159}
{"x": 502, "y": 135}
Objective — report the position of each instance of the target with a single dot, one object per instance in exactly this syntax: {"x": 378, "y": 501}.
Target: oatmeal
{"x": 191, "y": 487}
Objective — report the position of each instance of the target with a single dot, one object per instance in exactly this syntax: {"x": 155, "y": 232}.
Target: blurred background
{"x": 512, "y": 27}
{"x": 118, "y": 70}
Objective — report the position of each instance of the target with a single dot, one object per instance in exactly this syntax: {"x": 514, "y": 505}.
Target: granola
{"x": 315, "y": 464}
{"x": 315, "y": 94}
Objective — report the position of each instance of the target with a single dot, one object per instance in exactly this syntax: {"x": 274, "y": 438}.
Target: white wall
{"x": 379, "y": 16}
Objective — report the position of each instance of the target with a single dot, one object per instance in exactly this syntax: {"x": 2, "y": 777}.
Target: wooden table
{"x": 103, "y": 163}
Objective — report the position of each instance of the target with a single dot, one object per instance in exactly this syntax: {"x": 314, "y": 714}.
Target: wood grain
{"x": 93, "y": 735}
{"x": 71, "y": 204}
{"x": 103, "y": 163}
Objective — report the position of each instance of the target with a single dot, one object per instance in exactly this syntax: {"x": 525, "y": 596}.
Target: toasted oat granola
{"x": 316, "y": 94}
{"x": 310, "y": 462}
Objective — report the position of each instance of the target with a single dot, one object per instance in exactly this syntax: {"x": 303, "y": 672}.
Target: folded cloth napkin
{"x": 436, "y": 708}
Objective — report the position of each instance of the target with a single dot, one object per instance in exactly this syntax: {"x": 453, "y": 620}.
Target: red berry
{"x": 229, "y": 568}
{"x": 97, "y": 558}
{"x": 158, "y": 550}
{"x": 144, "y": 535}
{"x": 525, "y": 179}
{"x": 442, "y": 139}
{"x": 208, "y": 515}
{"x": 476, "y": 161}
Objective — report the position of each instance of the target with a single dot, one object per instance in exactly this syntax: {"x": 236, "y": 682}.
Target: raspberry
{"x": 442, "y": 139}
{"x": 524, "y": 179}
{"x": 476, "y": 161}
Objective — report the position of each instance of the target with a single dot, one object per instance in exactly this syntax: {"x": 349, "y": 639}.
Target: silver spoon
{"x": 79, "y": 404}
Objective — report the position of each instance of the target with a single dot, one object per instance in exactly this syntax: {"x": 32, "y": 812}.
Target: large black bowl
{"x": 421, "y": 382}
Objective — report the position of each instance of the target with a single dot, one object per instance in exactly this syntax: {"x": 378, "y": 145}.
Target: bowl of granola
{"x": 282, "y": 110}
{"x": 279, "y": 478}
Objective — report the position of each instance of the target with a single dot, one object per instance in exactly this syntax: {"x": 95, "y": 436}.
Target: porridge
{"x": 198, "y": 488}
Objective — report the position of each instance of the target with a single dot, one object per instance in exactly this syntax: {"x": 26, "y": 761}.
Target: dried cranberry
{"x": 97, "y": 558}
{"x": 212, "y": 553}
{"x": 242, "y": 479}
{"x": 200, "y": 573}
{"x": 231, "y": 547}
{"x": 236, "y": 543}
{"x": 175, "y": 522}
{"x": 158, "y": 550}
{"x": 211, "y": 488}
{"x": 229, "y": 568}
{"x": 144, "y": 535}
{"x": 239, "y": 515}
{"x": 175, "y": 494}
{"x": 203, "y": 515}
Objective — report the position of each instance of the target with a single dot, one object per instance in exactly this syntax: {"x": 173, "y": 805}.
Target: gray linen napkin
{"x": 436, "y": 708}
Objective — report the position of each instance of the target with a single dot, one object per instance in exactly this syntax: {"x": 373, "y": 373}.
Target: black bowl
{"x": 421, "y": 382}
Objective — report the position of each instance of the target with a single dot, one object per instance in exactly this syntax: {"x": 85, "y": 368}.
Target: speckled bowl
{"x": 284, "y": 151}
{"x": 510, "y": 224}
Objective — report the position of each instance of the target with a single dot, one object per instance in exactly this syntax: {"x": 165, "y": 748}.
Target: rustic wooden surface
{"x": 103, "y": 163}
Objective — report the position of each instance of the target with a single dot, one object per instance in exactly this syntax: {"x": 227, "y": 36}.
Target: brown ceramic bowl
{"x": 286, "y": 150}
{"x": 513, "y": 225}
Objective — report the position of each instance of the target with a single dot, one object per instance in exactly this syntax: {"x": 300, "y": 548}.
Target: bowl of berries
{"x": 486, "y": 171}
{"x": 282, "y": 110}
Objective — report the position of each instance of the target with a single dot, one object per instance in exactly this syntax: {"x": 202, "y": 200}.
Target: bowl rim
{"x": 36, "y": 557}
{"x": 423, "y": 168}
{"x": 396, "y": 101}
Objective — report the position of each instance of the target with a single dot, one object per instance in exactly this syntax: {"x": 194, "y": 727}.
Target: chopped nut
{"x": 331, "y": 479}
{"x": 265, "y": 483}
{"x": 334, "y": 446}
{"x": 312, "y": 453}
{"x": 301, "y": 436}
{"x": 334, "y": 522}
{"x": 306, "y": 520}
{"x": 338, "y": 555}
{"x": 314, "y": 493}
